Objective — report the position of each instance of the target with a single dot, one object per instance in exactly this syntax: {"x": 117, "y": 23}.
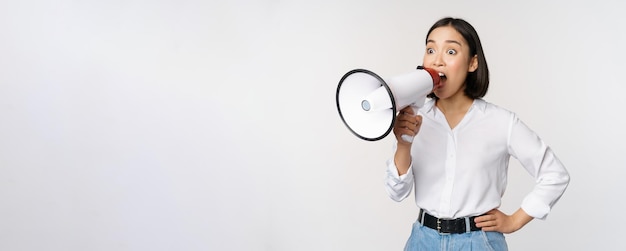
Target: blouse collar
{"x": 480, "y": 104}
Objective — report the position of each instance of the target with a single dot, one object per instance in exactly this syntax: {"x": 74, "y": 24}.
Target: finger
{"x": 488, "y": 226}
{"x": 484, "y": 218}
{"x": 486, "y": 221}
{"x": 406, "y": 116}
{"x": 483, "y": 224}
{"x": 408, "y": 110}
{"x": 409, "y": 126}
{"x": 408, "y": 122}
{"x": 413, "y": 119}
{"x": 413, "y": 126}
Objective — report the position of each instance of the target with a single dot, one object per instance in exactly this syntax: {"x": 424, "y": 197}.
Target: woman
{"x": 457, "y": 163}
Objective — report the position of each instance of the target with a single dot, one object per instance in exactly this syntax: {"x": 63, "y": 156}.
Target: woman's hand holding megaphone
{"x": 407, "y": 125}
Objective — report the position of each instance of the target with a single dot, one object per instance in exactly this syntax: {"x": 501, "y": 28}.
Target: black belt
{"x": 448, "y": 226}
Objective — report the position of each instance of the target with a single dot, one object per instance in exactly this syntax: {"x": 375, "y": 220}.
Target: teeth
{"x": 441, "y": 75}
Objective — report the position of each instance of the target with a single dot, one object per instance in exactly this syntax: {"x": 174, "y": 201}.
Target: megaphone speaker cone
{"x": 368, "y": 104}
{"x": 358, "y": 114}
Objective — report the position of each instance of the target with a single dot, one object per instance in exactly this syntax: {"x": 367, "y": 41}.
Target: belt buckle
{"x": 439, "y": 225}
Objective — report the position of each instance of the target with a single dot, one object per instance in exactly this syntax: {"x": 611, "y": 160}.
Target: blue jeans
{"x": 427, "y": 239}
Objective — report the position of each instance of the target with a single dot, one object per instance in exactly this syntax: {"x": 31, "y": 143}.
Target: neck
{"x": 459, "y": 103}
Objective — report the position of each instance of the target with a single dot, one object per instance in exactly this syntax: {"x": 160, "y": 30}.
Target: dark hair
{"x": 477, "y": 82}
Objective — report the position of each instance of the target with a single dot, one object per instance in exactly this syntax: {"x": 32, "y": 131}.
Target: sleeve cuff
{"x": 392, "y": 173}
{"x": 535, "y": 208}
{"x": 398, "y": 186}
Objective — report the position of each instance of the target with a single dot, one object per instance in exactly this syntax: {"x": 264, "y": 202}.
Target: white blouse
{"x": 463, "y": 171}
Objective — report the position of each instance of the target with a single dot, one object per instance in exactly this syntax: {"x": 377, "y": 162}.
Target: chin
{"x": 440, "y": 94}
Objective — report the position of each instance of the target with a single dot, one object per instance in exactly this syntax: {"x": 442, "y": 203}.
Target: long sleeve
{"x": 539, "y": 160}
{"x": 398, "y": 186}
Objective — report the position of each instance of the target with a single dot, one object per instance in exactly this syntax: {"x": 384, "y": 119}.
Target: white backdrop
{"x": 212, "y": 125}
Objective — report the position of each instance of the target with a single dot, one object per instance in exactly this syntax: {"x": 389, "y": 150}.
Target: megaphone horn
{"x": 367, "y": 104}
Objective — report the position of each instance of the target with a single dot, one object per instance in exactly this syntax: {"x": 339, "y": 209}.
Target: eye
{"x": 430, "y": 51}
{"x": 451, "y": 52}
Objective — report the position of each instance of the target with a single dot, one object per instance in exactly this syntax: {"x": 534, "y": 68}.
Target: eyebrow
{"x": 446, "y": 41}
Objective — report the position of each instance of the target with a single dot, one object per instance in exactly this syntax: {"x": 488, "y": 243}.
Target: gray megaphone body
{"x": 368, "y": 104}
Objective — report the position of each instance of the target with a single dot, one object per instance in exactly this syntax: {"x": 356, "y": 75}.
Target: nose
{"x": 438, "y": 59}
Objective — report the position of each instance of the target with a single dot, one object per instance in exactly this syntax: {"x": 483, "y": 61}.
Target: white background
{"x": 212, "y": 125}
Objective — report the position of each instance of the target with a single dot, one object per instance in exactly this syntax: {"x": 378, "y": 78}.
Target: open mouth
{"x": 439, "y": 84}
{"x": 442, "y": 76}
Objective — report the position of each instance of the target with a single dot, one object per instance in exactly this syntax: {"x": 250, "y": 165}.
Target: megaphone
{"x": 367, "y": 104}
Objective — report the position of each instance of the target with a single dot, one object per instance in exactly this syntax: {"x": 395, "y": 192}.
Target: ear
{"x": 473, "y": 64}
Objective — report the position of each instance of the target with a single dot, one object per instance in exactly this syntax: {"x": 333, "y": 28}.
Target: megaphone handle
{"x": 406, "y": 137}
